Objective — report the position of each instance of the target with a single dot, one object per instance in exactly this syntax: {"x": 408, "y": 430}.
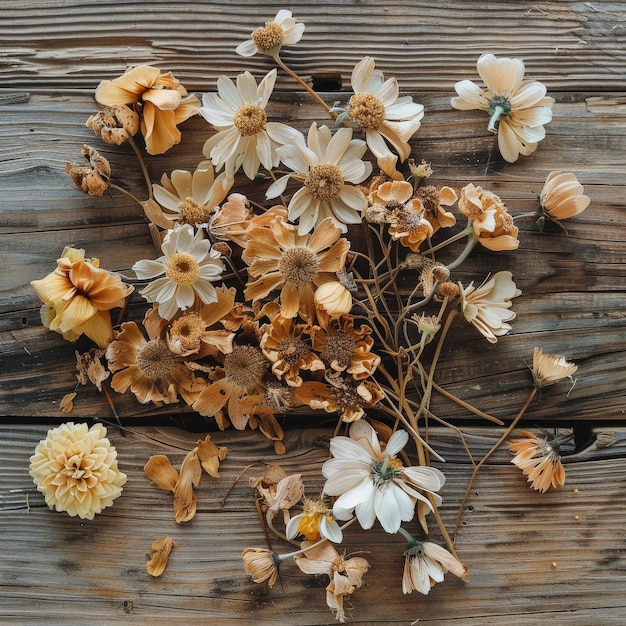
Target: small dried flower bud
{"x": 114, "y": 124}
{"x": 223, "y": 248}
{"x": 414, "y": 261}
{"x": 449, "y": 290}
{"x": 427, "y": 324}
{"x": 92, "y": 179}
{"x": 377, "y": 214}
{"x": 261, "y": 564}
{"x": 441, "y": 272}
{"x": 550, "y": 368}
{"x": 421, "y": 171}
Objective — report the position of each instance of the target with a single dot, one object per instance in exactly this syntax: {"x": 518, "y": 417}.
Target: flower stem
{"x": 142, "y": 164}
{"x": 464, "y": 233}
{"x": 497, "y": 114}
{"x": 126, "y": 193}
{"x": 472, "y": 240}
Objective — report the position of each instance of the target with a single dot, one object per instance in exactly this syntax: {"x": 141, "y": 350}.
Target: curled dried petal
{"x": 160, "y": 552}
{"x": 161, "y": 472}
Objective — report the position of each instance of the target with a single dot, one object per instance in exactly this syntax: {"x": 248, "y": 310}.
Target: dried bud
{"x": 421, "y": 171}
{"x": 427, "y": 324}
{"x": 261, "y": 564}
{"x": 441, "y": 272}
{"x": 115, "y": 124}
{"x": 449, "y": 290}
{"x": 92, "y": 179}
{"x": 377, "y": 214}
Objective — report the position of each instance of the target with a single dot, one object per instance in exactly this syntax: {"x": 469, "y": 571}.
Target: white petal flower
{"x": 425, "y": 564}
{"x": 283, "y": 30}
{"x": 372, "y": 483}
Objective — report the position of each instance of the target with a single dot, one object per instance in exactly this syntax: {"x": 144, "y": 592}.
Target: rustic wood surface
{"x": 531, "y": 559}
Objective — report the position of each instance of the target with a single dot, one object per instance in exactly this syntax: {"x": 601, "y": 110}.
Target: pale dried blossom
{"x": 76, "y": 470}
{"x": 92, "y": 179}
{"x": 283, "y": 30}
{"x": 114, "y": 124}
{"x": 562, "y": 196}
{"x": 549, "y": 369}
{"x": 262, "y": 564}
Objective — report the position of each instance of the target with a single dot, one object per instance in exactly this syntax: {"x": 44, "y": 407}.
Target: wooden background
{"x": 531, "y": 559}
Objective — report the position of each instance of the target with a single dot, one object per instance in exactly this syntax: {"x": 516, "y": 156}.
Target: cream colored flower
{"x": 549, "y": 369}
{"x": 75, "y": 468}
{"x": 372, "y": 482}
{"x": 425, "y": 564}
{"x": 190, "y": 266}
{"x": 539, "y": 460}
{"x": 245, "y": 138}
{"x": 519, "y": 107}
{"x": 382, "y": 114}
{"x": 262, "y": 564}
{"x": 562, "y": 196}
{"x": 283, "y": 30}
{"x": 163, "y": 103}
{"x": 487, "y": 306}
{"x": 78, "y": 296}
{"x": 324, "y": 165}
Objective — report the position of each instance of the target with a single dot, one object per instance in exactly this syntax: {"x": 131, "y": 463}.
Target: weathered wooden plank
{"x": 530, "y": 555}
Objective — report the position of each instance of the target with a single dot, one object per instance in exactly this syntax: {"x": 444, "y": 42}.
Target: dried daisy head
{"x": 75, "y": 467}
{"x": 283, "y": 30}
{"x": 550, "y": 368}
{"x": 562, "y": 196}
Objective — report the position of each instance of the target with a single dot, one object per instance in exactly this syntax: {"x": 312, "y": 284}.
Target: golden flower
{"x": 434, "y": 202}
{"x": 550, "y": 368}
{"x": 163, "y": 103}
{"x": 245, "y": 137}
{"x": 346, "y": 574}
{"x": 149, "y": 368}
{"x": 92, "y": 179}
{"x": 286, "y": 345}
{"x": 519, "y": 107}
{"x": 75, "y": 468}
{"x": 190, "y": 265}
{"x": 78, "y": 296}
{"x": 382, "y": 114}
{"x": 114, "y": 125}
{"x": 487, "y": 307}
{"x": 539, "y": 460}
{"x": 279, "y": 257}
{"x": 262, "y": 564}
{"x": 159, "y": 555}
{"x": 325, "y": 167}
{"x": 192, "y": 198}
{"x": 283, "y": 30}
{"x": 491, "y": 223}
{"x": 425, "y": 564}
{"x": 562, "y": 196}
{"x": 314, "y": 523}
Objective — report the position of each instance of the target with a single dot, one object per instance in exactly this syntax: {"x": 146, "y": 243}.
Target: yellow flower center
{"x": 250, "y": 119}
{"x": 366, "y": 110}
{"x": 324, "y": 181}
{"x": 193, "y": 213}
{"x": 244, "y": 366}
{"x": 299, "y": 265}
{"x": 182, "y": 268}
{"x": 187, "y": 330}
{"x": 155, "y": 360}
{"x": 269, "y": 37}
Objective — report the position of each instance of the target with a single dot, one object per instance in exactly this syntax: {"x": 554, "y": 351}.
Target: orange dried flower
{"x": 539, "y": 460}
{"x": 550, "y": 368}
{"x": 562, "y": 196}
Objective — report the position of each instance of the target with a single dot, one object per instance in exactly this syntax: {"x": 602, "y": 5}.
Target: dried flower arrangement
{"x": 260, "y": 310}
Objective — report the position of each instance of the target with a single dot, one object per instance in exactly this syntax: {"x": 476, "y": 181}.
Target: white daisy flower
{"x": 283, "y": 30}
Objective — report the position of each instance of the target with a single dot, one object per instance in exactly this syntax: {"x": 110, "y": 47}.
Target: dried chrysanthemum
{"x": 283, "y": 30}
{"x": 314, "y": 523}
{"x": 562, "y": 196}
{"x": 539, "y": 460}
{"x": 75, "y": 468}
{"x": 346, "y": 574}
{"x": 160, "y": 99}
{"x": 115, "y": 124}
{"x": 425, "y": 564}
{"x": 262, "y": 564}
{"x": 550, "y": 368}
{"x": 382, "y": 114}
{"x": 329, "y": 166}
{"x": 487, "y": 307}
{"x": 78, "y": 296}
{"x": 159, "y": 555}
{"x": 519, "y": 107}
{"x": 94, "y": 178}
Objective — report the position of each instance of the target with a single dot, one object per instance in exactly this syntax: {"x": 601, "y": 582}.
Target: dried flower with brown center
{"x": 324, "y": 181}
{"x": 244, "y": 366}
{"x": 186, "y": 331}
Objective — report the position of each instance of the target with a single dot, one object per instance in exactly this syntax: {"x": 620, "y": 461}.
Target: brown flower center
{"x": 430, "y": 199}
{"x": 324, "y": 181}
{"x": 339, "y": 349}
{"x": 155, "y": 360}
{"x": 193, "y": 213}
{"x": 182, "y": 268}
{"x": 250, "y": 119}
{"x": 366, "y": 110}
{"x": 244, "y": 366}
{"x": 187, "y": 330}
{"x": 299, "y": 265}
{"x": 269, "y": 37}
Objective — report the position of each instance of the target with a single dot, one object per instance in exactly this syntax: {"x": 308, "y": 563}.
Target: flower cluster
{"x": 324, "y": 300}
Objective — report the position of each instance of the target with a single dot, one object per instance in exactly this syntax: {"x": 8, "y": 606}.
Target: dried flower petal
{"x": 160, "y": 552}
{"x": 161, "y": 472}
{"x": 210, "y": 456}
{"x": 67, "y": 402}
{"x": 185, "y": 500}
{"x": 550, "y": 368}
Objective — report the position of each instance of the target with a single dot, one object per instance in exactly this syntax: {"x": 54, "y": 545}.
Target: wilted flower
{"x": 75, "y": 468}
{"x": 425, "y": 564}
{"x": 114, "y": 125}
{"x": 92, "y": 179}
{"x": 372, "y": 482}
{"x": 262, "y": 564}
{"x": 434, "y": 202}
{"x": 314, "y": 523}
{"x": 562, "y": 196}
{"x": 283, "y": 30}
{"x": 325, "y": 167}
{"x": 519, "y": 107}
{"x": 90, "y": 368}
{"x": 190, "y": 265}
{"x": 550, "y": 368}
{"x": 78, "y": 296}
{"x": 487, "y": 306}
{"x": 382, "y": 114}
{"x": 162, "y": 102}
{"x": 539, "y": 460}
{"x": 245, "y": 137}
